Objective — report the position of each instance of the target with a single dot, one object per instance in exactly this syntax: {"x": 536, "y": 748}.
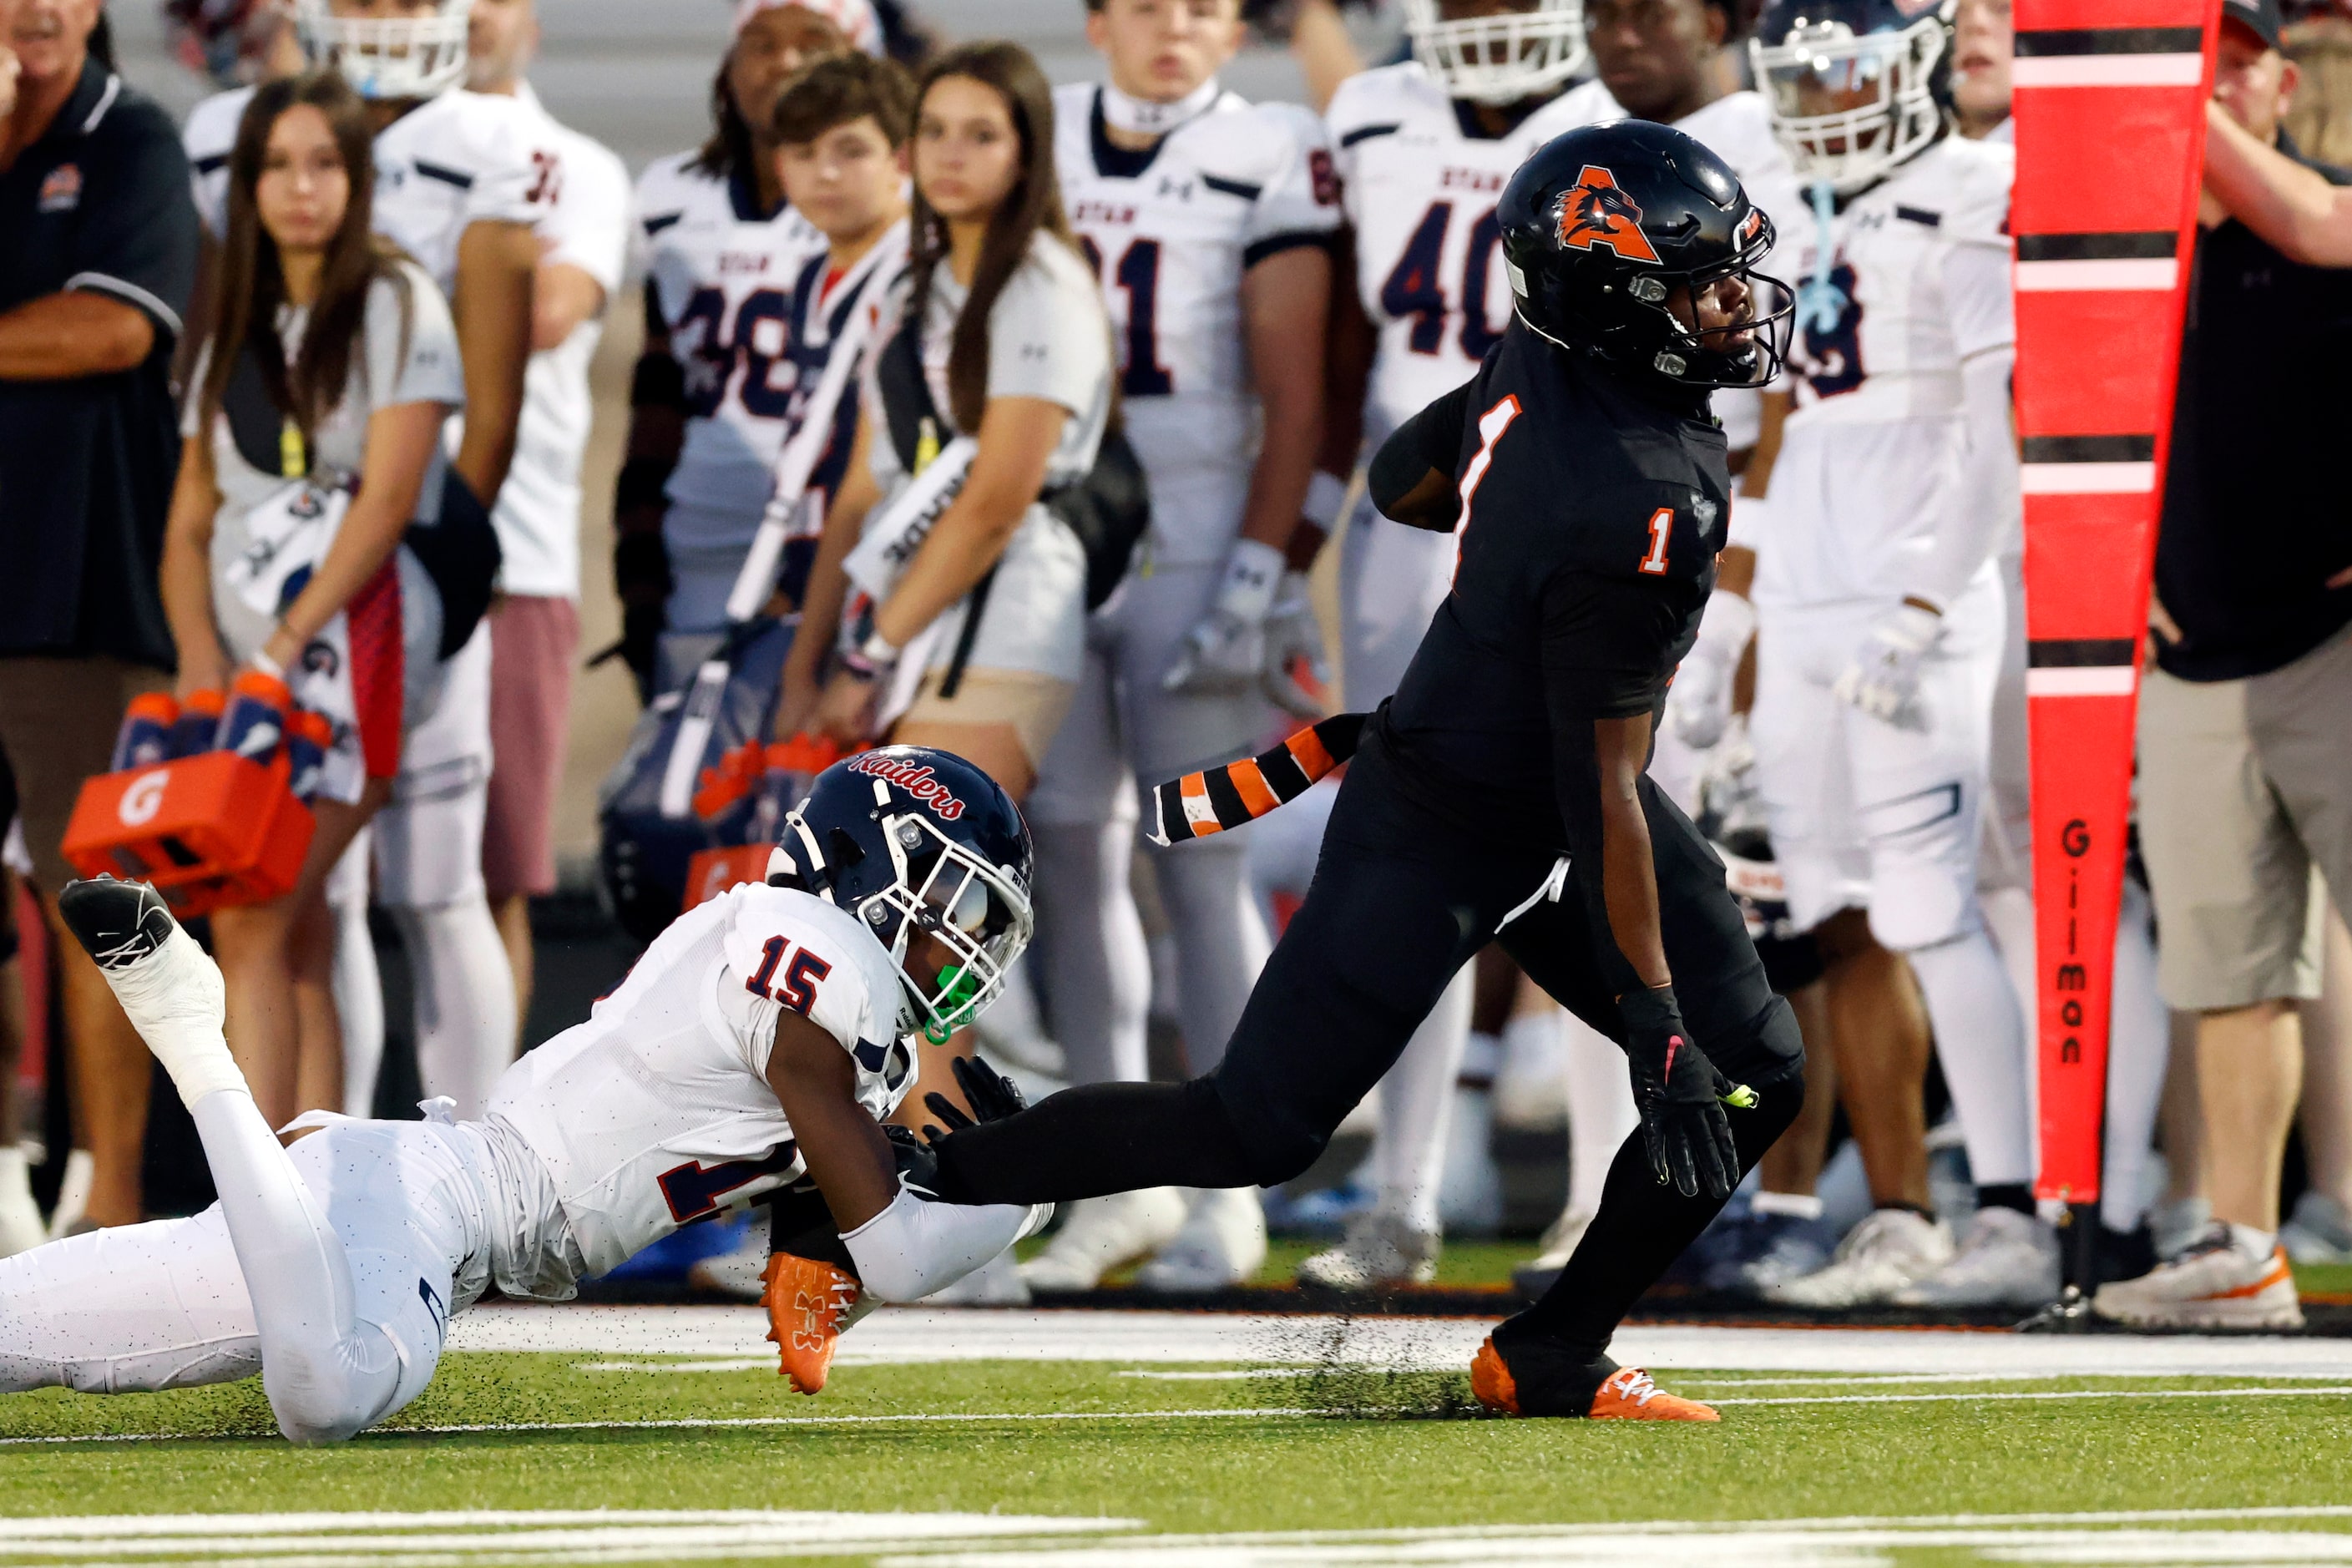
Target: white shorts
{"x": 429, "y": 841}
{"x": 1392, "y": 579}
{"x": 1864, "y": 814}
{"x": 1123, "y": 729}
{"x": 165, "y": 1305}
{"x": 1035, "y": 619}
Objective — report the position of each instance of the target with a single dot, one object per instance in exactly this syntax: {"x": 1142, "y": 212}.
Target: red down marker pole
{"x": 2110, "y": 106}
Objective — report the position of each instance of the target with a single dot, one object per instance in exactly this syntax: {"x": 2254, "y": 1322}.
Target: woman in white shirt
{"x": 332, "y": 357}
{"x": 976, "y": 611}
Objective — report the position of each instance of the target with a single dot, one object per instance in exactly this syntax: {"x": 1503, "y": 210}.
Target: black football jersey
{"x": 1592, "y": 510}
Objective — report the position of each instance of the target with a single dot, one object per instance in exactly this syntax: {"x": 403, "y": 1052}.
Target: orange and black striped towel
{"x": 1218, "y": 798}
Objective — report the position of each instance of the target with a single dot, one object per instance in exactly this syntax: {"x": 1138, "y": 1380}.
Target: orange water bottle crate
{"x": 208, "y": 831}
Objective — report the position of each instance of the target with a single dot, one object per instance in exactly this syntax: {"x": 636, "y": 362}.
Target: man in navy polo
{"x": 95, "y": 275}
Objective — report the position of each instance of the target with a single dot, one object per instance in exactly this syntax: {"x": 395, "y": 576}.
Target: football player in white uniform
{"x": 535, "y": 626}
{"x": 463, "y": 180}
{"x": 1880, "y": 622}
{"x": 1423, "y": 149}
{"x": 1208, "y": 219}
{"x": 757, "y": 1045}
{"x": 721, "y": 251}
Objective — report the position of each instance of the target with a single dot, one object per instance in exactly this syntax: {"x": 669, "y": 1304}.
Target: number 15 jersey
{"x": 656, "y": 1112}
{"x": 1419, "y": 193}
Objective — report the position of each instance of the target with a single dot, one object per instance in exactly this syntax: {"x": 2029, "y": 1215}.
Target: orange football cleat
{"x": 806, "y": 1301}
{"x": 1627, "y": 1395}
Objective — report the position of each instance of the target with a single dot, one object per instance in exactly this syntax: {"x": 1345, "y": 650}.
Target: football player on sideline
{"x": 463, "y": 181}
{"x": 1423, "y": 149}
{"x": 1881, "y": 628}
{"x": 1500, "y": 794}
{"x": 757, "y": 1044}
{"x": 1209, "y": 220}
{"x": 713, "y": 384}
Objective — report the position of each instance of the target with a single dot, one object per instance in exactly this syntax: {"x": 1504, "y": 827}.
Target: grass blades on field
{"x": 1218, "y": 1471}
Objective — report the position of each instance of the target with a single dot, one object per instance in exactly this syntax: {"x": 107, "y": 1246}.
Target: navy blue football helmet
{"x": 914, "y": 841}
{"x": 1856, "y": 88}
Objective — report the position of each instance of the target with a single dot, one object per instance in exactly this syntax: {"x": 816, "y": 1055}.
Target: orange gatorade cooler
{"x": 207, "y": 831}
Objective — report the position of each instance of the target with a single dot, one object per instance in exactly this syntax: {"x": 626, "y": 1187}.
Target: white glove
{"x": 1883, "y": 678}
{"x": 1296, "y": 676}
{"x": 1220, "y": 655}
{"x": 1699, "y": 704}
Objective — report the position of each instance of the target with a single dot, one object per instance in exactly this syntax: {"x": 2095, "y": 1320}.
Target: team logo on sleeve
{"x": 1594, "y": 212}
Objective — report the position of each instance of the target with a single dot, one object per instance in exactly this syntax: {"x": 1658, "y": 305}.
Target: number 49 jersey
{"x": 656, "y": 1111}
{"x": 718, "y": 281}
{"x": 1420, "y": 196}
{"x": 1171, "y": 231}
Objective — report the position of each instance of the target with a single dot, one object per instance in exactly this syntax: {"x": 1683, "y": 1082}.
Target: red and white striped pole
{"x": 2110, "y": 105}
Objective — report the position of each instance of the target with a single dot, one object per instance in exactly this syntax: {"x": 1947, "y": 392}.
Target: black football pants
{"x": 1401, "y": 898}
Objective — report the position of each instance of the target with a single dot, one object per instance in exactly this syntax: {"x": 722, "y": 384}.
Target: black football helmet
{"x": 914, "y": 840}
{"x": 1856, "y": 88}
{"x": 1600, "y": 226}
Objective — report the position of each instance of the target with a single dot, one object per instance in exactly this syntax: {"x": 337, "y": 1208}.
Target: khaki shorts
{"x": 1032, "y": 704}
{"x": 2245, "y": 791}
{"x": 58, "y": 720}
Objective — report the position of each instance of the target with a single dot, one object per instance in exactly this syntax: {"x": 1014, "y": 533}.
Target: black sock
{"x": 1101, "y": 1138}
{"x": 1637, "y": 1232}
{"x": 2006, "y": 1196}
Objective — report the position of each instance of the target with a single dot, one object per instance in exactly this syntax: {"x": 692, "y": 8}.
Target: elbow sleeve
{"x": 913, "y": 1248}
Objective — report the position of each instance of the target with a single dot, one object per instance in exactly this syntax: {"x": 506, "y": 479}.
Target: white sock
{"x": 175, "y": 997}
{"x": 1601, "y": 1112}
{"x": 327, "y": 1375}
{"x": 465, "y": 1000}
{"x": 1096, "y": 965}
{"x": 1980, "y": 1041}
{"x": 1416, "y": 1102}
{"x": 2009, "y": 916}
{"x": 359, "y": 985}
{"x": 2139, "y": 1043}
{"x": 20, "y": 1218}
{"x": 2252, "y": 1242}
{"x": 1221, "y": 940}
{"x": 1796, "y": 1205}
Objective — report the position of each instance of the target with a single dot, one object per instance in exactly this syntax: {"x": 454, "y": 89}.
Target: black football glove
{"x": 1681, "y": 1096}
{"x": 918, "y": 1168}
{"x": 994, "y": 1097}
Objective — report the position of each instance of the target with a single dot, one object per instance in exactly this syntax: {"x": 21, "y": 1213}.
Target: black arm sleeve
{"x": 1429, "y": 441}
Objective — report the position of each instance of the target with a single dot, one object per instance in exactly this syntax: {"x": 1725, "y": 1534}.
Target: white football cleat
{"x": 168, "y": 987}
{"x": 1882, "y": 1255}
{"x": 1105, "y": 1234}
{"x": 1223, "y": 1244}
{"x": 2215, "y": 1284}
{"x": 2007, "y": 1260}
{"x": 1380, "y": 1250}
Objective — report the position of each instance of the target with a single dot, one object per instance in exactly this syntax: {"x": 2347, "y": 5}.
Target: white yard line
{"x": 1992, "y": 1395}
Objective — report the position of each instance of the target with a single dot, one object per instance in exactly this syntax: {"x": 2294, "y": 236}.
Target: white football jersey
{"x": 452, "y": 160}
{"x": 1421, "y": 196}
{"x": 1737, "y": 129}
{"x": 1883, "y": 324}
{"x": 586, "y": 225}
{"x": 656, "y": 1112}
{"x": 1171, "y": 230}
{"x": 719, "y": 276}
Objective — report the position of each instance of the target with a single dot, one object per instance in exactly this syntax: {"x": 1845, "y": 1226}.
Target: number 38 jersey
{"x": 1421, "y": 193}
{"x": 1171, "y": 230}
{"x": 718, "y": 281}
{"x": 1894, "y": 293}
{"x": 656, "y": 1111}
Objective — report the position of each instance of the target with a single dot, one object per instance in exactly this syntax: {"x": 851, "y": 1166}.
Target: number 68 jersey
{"x": 1420, "y": 196}
{"x": 656, "y": 1112}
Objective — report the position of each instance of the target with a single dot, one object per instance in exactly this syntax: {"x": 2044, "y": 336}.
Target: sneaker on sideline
{"x": 2007, "y": 1260}
{"x": 2219, "y": 1283}
{"x": 1879, "y": 1256}
{"x": 1380, "y": 1250}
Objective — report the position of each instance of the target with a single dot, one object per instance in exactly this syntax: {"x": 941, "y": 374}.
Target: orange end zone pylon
{"x": 2110, "y": 104}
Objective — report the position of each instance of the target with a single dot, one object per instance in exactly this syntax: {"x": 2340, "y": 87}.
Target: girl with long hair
{"x": 977, "y": 625}
{"x": 332, "y": 360}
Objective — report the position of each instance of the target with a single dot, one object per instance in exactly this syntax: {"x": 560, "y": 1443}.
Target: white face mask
{"x": 388, "y": 58}
{"x": 1502, "y": 58}
{"x": 1850, "y": 150}
{"x": 1141, "y": 117}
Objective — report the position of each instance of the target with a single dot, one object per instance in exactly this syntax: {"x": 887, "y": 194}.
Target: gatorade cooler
{"x": 208, "y": 831}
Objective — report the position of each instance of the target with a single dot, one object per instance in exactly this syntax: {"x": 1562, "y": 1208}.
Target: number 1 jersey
{"x": 656, "y": 1112}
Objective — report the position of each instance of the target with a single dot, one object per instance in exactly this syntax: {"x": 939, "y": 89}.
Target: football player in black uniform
{"x": 1500, "y": 794}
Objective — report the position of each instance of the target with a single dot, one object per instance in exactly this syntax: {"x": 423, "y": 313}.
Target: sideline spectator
{"x": 535, "y": 623}
{"x": 334, "y": 361}
{"x": 2246, "y": 761}
{"x": 95, "y": 272}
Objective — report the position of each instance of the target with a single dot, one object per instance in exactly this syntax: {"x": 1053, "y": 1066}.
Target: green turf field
{"x": 1129, "y": 1456}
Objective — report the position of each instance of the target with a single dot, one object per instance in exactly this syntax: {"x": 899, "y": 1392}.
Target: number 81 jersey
{"x": 656, "y": 1112}
{"x": 718, "y": 281}
{"x": 1419, "y": 193}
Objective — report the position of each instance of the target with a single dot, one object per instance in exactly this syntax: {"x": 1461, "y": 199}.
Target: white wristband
{"x": 1253, "y": 572}
{"x": 1326, "y": 494}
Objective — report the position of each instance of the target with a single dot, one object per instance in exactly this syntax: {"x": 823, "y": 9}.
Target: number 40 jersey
{"x": 1420, "y": 196}
{"x": 656, "y": 1111}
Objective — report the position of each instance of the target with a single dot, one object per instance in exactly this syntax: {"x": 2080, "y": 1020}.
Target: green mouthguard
{"x": 958, "y": 992}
